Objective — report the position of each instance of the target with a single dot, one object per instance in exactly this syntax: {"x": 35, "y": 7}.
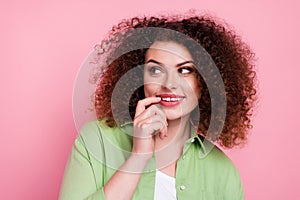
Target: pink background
{"x": 43, "y": 44}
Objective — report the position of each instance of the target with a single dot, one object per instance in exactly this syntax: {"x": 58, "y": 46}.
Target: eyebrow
{"x": 178, "y": 65}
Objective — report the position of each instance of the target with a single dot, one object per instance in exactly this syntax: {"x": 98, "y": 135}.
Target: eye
{"x": 154, "y": 70}
{"x": 185, "y": 70}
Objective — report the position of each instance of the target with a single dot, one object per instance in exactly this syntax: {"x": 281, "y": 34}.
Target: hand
{"x": 147, "y": 123}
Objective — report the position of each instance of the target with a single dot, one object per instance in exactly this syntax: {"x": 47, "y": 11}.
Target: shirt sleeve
{"x": 79, "y": 179}
{"x": 234, "y": 188}
{"x": 240, "y": 188}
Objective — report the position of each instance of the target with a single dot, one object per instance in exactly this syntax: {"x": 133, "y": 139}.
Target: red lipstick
{"x": 170, "y": 100}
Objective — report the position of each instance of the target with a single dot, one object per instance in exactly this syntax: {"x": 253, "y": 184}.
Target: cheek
{"x": 150, "y": 89}
{"x": 194, "y": 89}
{"x": 197, "y": 91}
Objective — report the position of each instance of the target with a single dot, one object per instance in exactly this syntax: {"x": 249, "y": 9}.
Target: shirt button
{"x": 193, "y": 140}
{"x": 182, "y": 187}
{"x": 183, "y": 157}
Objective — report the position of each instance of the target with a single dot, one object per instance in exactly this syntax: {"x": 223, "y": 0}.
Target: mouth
{"x": 170, "y": 99}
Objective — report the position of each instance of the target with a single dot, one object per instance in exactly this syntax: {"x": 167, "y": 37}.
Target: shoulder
{"x": 95, "y": 130}
{"x": 94, "y": 126}
{"x": 226, "y": 169}
{"x": 220, "y": 161}
{"x": 220, "y": 169}
{"x": 210, "y": 154}
{"x": 219, "y": 155}
{"x": 98, "y": 137}
{"x": 217, "y": 163}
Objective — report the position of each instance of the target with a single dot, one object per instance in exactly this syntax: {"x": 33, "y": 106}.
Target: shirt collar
{"x": 195, "y": 139}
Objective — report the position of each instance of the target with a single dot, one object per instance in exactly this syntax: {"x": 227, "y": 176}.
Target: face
{"x": 169, "y": 73}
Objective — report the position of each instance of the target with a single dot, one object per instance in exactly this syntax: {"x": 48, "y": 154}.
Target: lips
{"x": 169, "y": 100}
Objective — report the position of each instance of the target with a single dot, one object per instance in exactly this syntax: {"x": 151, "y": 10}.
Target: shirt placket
{"x": 182, "y": 184}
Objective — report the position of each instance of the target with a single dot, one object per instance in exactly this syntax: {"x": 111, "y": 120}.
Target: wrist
{"x": 142, "y": 156}
{"x": 136, "y": 163}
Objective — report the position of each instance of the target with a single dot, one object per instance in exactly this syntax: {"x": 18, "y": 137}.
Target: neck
{"x": 178, "y": 133}
{"x": 179, "y": 129}
{"x": 169, "y": 149}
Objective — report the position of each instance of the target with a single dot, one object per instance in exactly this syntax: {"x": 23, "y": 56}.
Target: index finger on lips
{"x": 141, "y": 106}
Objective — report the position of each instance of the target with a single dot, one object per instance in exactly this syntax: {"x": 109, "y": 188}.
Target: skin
{"x": 160, "y": 127}
{"x": 169, "y": 69}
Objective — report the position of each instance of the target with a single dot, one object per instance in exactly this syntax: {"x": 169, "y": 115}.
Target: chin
{"x": 171, "y": 116}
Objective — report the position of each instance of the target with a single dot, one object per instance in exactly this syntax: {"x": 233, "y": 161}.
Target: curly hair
{"x": 233, "y": 58}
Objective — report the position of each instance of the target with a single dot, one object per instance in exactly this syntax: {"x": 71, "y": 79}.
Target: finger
{"x": 146, "y": 118}
{"x": 150, "y": 112}
{"x": 152, "y": 119}
{"x": 148, "y": 130}
{"x": 158, "y": 110}
{"x": 141, "y": 106}
{"x": 164, "y": 132}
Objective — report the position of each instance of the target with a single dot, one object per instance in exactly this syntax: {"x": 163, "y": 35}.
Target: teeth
{"x": 171, "y": 99}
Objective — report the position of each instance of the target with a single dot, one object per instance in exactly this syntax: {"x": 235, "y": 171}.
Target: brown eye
{"x": 185, "y": 70}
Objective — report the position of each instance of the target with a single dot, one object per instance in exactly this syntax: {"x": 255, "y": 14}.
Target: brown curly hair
{"x": 233, "y": 58}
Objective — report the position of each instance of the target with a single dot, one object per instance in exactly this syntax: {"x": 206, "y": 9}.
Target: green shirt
{"x": 99, "y": 151}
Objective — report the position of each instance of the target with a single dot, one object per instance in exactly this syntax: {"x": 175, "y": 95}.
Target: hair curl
{"x": 233, "y": 58}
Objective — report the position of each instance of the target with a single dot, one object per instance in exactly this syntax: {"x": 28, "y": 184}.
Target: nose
{"x": 171, "y": 81}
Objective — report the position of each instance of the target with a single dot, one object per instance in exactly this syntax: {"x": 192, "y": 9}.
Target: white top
{"x": 165, "y": 188}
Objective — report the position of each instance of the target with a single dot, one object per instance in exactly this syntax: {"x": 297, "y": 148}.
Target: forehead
{"x": 168, "y": 50}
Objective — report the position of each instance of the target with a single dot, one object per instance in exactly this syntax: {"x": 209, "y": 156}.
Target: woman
{"x": 171, "y": 85}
